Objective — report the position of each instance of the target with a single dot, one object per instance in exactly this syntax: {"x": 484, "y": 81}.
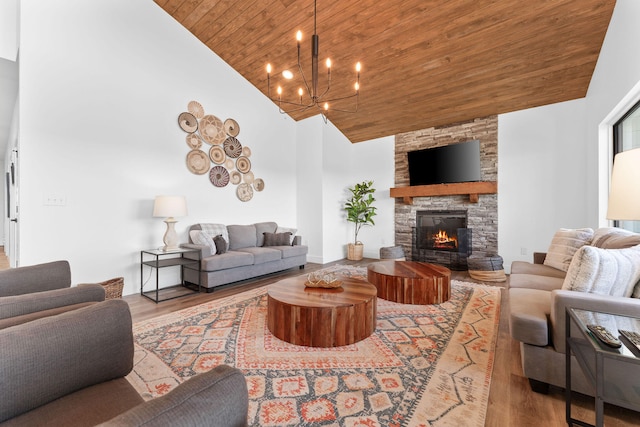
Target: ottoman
{"x": 392, "y": 252}
{"x": 486, "y": 267}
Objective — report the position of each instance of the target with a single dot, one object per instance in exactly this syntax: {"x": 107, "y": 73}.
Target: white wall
{"x": 328, "y": 165}
{"x": 541, "y": 177}
{"x": 101, "y": 87}
{"x": 617, "y": 73}
{"x": 9, "y": 12}
{"x": 310, "y": 183}
{"x": 374, "y": 160}
{"x": 554, "y": 168}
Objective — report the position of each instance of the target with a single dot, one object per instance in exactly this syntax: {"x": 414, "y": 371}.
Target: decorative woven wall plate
{"x": 212, "y": 129}
{"x": 188, "y": 122}
{"x": 231, "y": 127}
{"x": 243, "y": 164}
{"x": 219, "y": 176}
{"x": 229, "y": 163}
{"x": 235, "y": 177}
{"x": 195, "y": 108}
{"x": 194, "y": 141}
{"x": 258, "y": 184}
{"x": 232, "y": 147}
{"x": 244, "y": 192}
{"x": 198, "y": 162}
{"x": 216, "y": 153}
{"x": 248, "y": 177}
{"x": 246, "y": 151}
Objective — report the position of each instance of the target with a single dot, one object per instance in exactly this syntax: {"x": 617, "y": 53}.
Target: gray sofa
{"x": 539, "y": 295}
{"x": 241, "y": 252}
{"x": 69, "y": 370}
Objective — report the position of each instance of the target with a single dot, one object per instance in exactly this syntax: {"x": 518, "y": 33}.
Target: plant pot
{"x": 354, "y": 251}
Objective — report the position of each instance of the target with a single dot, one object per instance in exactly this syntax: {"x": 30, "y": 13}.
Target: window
{"x": 626, "y": 136}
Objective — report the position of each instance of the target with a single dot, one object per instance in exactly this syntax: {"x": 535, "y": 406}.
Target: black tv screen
{"x": 447, "y": 164}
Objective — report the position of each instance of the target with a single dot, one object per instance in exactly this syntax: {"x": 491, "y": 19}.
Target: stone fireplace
{"x": 442, "y": 237}
{"x": 480, "y": 218}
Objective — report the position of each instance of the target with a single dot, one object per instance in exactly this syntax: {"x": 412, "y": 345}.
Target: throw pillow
{"x": 604, "y": 271}
{"x": 264, "y": 227}
{"x": 200, "y": 237}
{"x": 221, "y": 244}
{"x": 293, "y": 232}
{"x": 277, "y": 239}
{"x": 564, "y": 245}
{"x": 215, "y": 229}
{"x": 614, "y": 238}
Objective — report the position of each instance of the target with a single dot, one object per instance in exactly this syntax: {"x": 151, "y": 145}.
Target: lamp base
{"x": 170, "y": 238}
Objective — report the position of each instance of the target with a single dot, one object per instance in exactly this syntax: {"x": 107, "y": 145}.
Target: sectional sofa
{"x": 586, "y": 269}
{"x": 230, "y": 253}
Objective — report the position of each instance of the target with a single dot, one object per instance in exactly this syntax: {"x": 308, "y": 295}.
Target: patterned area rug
{"x": 423, "y": 366}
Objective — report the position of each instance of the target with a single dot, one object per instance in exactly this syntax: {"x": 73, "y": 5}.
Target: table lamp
{"x": 624, "y": 194}
{"x": 170, "y": 207}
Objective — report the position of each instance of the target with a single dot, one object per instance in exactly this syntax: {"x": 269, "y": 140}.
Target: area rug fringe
{"x": 424, "y": 365}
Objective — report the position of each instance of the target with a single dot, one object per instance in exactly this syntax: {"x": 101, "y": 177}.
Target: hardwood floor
{"x": 511, "y": 401}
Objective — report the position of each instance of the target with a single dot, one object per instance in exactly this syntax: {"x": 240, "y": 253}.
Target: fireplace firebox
{"x": 442, "y": 237}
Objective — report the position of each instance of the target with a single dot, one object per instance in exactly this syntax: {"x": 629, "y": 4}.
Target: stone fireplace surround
{"x": 482, "y": 217}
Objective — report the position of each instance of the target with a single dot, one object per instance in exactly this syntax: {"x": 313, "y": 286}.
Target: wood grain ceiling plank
{"x": 236, "y": 31}
{"x": 190, "y": 20}
{"x": 217, "y": 17}
{"x": 185, "y": 9}
{"x": 424, "y": 62}
{"x": 170, "y": 6}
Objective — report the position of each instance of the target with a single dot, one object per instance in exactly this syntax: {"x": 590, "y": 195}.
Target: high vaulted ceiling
{"x": 424, "y": 62}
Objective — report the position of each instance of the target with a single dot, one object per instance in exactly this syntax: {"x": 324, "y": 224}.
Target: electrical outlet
{"x": 523, "y": 251}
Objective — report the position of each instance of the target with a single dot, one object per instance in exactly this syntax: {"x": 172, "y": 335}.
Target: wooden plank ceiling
{"x": 424, "y": 62}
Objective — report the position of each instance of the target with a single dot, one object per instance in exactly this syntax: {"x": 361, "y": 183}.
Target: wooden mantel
{"x": 473, "y": 189}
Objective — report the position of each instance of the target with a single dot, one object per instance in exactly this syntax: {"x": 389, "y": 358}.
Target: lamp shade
{"x": 624, "y": 194}
{"x": 170, "y": 206}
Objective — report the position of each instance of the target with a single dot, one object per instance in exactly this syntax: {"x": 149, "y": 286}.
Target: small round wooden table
{"x": 318, "y": 317}
{"x": 410, "y": 282}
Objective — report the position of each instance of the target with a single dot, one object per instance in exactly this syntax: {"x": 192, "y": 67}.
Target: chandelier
{"x": 314, "y": 98}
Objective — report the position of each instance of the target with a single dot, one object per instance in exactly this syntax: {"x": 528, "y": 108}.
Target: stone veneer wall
{"x": 482, "y": 217}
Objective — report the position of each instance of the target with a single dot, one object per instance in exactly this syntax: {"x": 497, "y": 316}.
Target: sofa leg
{"x": 209, "y": 290}
{"x": 539, "y": 386}
{"x": 302, "y": 267}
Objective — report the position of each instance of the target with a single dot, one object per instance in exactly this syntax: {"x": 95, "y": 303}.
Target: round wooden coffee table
{"x": 318, "y": 317}
{"x": 410, "y": 282}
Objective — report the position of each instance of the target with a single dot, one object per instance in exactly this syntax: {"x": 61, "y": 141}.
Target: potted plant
{"x": 360, "y": 211}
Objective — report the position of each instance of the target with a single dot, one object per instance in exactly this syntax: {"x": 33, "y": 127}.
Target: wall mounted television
{"x": 452, "y": 163}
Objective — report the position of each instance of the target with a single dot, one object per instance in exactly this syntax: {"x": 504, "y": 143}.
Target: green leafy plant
{"x": 359, "y": 207}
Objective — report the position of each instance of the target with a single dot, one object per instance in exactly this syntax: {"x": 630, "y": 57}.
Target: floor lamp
{"x": 624, "y": 193}
{"x": 170, "y": 207}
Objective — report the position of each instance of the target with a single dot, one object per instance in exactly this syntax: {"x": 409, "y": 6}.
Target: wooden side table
{"x": 410, "y": 282}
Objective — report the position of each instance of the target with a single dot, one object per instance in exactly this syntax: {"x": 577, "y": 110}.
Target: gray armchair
{"x": 33, "y": 292}
{"x": 35, "y": 278}
{"x": 69, "y": 370}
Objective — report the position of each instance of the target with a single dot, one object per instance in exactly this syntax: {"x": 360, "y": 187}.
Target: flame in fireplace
{"x": 442, "y": 240}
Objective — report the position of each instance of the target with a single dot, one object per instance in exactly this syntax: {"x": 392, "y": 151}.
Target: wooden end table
{"x": 317, "y": 317}
{"x": 410, "y": 282}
